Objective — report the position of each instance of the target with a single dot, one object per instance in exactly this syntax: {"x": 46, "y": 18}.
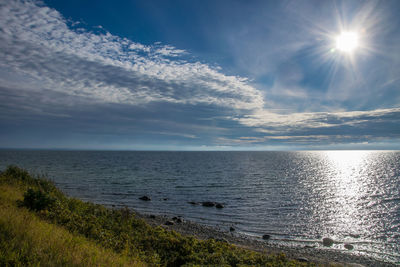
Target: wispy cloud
{"x": 296, "y": 139}
{"x": 38, "y": 44}
{"x": 300, "y": 121}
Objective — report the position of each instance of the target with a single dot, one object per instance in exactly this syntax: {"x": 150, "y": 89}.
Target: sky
{"x": 199, "y": 75}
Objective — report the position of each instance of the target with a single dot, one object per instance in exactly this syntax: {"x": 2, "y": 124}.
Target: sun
{"x": 347, "y": 42}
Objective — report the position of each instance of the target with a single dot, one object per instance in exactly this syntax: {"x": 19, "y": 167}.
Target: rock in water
{"x": 177, "y": 219}
{"x": 348, "y": 246}
{"x": 266, "y": 237}
{"x": 219, "y": 206}
{"x": 327, "y": 242}
{"x": 169, "y": 223}
{"x": 231, "y": 229}
{"x": 208, "y": 204}
{"x": 145, "y": 198}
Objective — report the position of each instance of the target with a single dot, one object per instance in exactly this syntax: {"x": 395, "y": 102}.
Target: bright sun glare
{"x": 347, "y": 41}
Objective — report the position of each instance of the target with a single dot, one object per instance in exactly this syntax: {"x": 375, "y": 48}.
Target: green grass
{"x": 26, "y": 240}
{"x": 39, "y": 225}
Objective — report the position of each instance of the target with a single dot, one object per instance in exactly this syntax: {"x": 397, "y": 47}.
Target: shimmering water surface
{"x": 296, "y": 197}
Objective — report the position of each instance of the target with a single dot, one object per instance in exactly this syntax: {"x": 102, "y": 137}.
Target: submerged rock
{"x": 348, "y": 246}
{"x": 266, "y": 237}
{"x": 327, "y": 242}
{"x": 208, "y": 204}
{"x": 145, "y": 198}
{"x": 192, "y": 202}
{"x": 231, "y": 229}
{"x": 219, "y": 206}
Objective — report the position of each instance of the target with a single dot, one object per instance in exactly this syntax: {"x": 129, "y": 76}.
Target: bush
{"x": 37, "y": 200}
{"x": 16, "y": 173}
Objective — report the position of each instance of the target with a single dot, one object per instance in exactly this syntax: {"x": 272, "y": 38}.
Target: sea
{"x": 298, "y": 198}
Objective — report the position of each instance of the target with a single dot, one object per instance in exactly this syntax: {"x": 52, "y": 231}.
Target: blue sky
{"x": 199, "y": 75}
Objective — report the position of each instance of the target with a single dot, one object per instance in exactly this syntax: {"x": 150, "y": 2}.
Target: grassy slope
{"x": 57, "y": 230}
{"x": 27, "y": 240}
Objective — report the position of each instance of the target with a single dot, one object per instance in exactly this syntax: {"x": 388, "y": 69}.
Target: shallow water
{"x": 296, "y": 197}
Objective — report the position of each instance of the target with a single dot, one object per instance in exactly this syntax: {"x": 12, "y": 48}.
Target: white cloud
{"x": 264, "y": 120}
{"x": 171, "y": 51}
{"x": 37, "y": 44}
{"x": 138, "y": 47}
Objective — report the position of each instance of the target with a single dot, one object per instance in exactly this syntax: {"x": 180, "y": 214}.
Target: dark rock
{"x": 302, "y": 259}
{"x": 169, "y": 223}
{"x": 208, "y": 204}
{"x": 327, "y": 242}
{"x": 145, "y": 198}
{"x": 266, "y": 237}
{"x": 219, "y": 206}
{"x": 152, "y": 216}
{"x": 177, "y": 219}
{"x": 308, "y": 246}
{"x": 165, "y": 199}
{"x": 222, "y": 240}
{"x": 348, "y": 246}
{"x": 192, "y": 202}
{"x": 231, "y": 229}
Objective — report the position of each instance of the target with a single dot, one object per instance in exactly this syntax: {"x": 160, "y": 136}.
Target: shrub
{"x": 16, "y": 173}
{"x": 37, "y": 200}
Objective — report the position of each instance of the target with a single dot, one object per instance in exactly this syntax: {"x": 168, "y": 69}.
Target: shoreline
{"x": 324, "y": 257}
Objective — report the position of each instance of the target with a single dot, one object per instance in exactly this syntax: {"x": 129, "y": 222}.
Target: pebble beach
{"x": 324, "y": 257}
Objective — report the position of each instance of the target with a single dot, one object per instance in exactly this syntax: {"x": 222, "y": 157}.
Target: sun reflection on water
{"x": 345, "y": 182}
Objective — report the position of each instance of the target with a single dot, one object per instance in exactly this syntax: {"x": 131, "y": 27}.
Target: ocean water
{"x": 298, "y": 198}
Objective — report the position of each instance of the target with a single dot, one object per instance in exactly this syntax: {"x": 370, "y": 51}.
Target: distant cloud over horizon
{"x": 69, "y": 86}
